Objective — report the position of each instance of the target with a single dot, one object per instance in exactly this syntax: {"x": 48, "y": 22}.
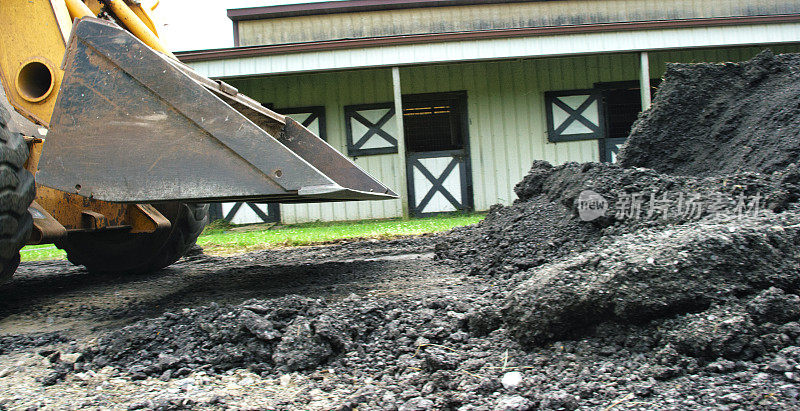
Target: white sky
{"x": 202, "y": 24}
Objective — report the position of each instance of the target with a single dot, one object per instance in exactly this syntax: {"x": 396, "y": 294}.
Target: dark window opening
{"x": 433, "y": 124}
{"x": 622, "y": 103}
{"x": 622, "y": 108}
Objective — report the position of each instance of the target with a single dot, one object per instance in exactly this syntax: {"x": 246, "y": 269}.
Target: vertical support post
{"x": 644, "y": 79}
{"x": 236, "y": 33}
{"x": 401, "y": 140}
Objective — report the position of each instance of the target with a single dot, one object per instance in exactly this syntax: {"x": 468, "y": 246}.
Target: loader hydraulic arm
{"x": 33, "y": 41}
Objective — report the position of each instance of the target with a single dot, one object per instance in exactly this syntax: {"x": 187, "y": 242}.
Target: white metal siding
{"x": 494, "y": 16}
{"x": 477, "y": 50}
{"x": 334, "y": 91}
{"x": 505, "y": 108}
{"x": 658, "y": 60}
{"x": 506, "y": 112}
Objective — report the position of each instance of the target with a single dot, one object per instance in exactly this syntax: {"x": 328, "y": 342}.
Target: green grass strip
{"x": 220, "y": 238}
{"x": 221, "y": 241}
{"x": 41, "y": 252}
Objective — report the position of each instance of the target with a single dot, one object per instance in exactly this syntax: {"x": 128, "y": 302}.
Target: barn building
{"x": 449, "y": 101}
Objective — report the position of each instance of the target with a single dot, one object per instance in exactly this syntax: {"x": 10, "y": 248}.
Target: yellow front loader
{"x": 115, "y": 145}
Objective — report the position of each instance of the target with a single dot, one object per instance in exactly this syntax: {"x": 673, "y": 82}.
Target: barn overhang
{"x": 489, "y": 45}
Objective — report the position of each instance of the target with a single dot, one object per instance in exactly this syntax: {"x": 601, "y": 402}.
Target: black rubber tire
{"x": 17, "y": 192}
{"x": 125, "y": 253}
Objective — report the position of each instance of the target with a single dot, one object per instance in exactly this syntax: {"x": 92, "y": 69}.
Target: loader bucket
{"x": 132, "y": 125}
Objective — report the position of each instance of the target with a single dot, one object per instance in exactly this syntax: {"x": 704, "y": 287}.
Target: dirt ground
{"x": 53, "y": 305}
{"x": 420, "y": 334}
{"x": 55, "y": 296}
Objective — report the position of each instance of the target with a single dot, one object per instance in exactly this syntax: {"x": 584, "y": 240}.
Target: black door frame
{"x": 603, "y": 143}
{"x": 466, "y": 188}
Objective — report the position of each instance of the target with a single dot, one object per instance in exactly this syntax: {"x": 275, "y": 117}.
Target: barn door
{"x": 437, "y": 182}
{"x": 609, "y": 148}
{"x": 621, "y": 105}
{"x": 437, "y": 160}
{"x": 245, "y": 212}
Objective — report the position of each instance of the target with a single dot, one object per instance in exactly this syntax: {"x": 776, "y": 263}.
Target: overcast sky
{"x": 202, "y": 24}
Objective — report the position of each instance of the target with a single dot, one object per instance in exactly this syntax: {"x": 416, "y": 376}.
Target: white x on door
{"x": 438, "y": 182}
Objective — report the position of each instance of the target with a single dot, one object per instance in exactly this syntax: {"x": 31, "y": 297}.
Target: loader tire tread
{"x": 123, "y": 253}
{"x": 191, "y": 222}
{"x": 8, "y": 177}
{"x": 17, "y": 191}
